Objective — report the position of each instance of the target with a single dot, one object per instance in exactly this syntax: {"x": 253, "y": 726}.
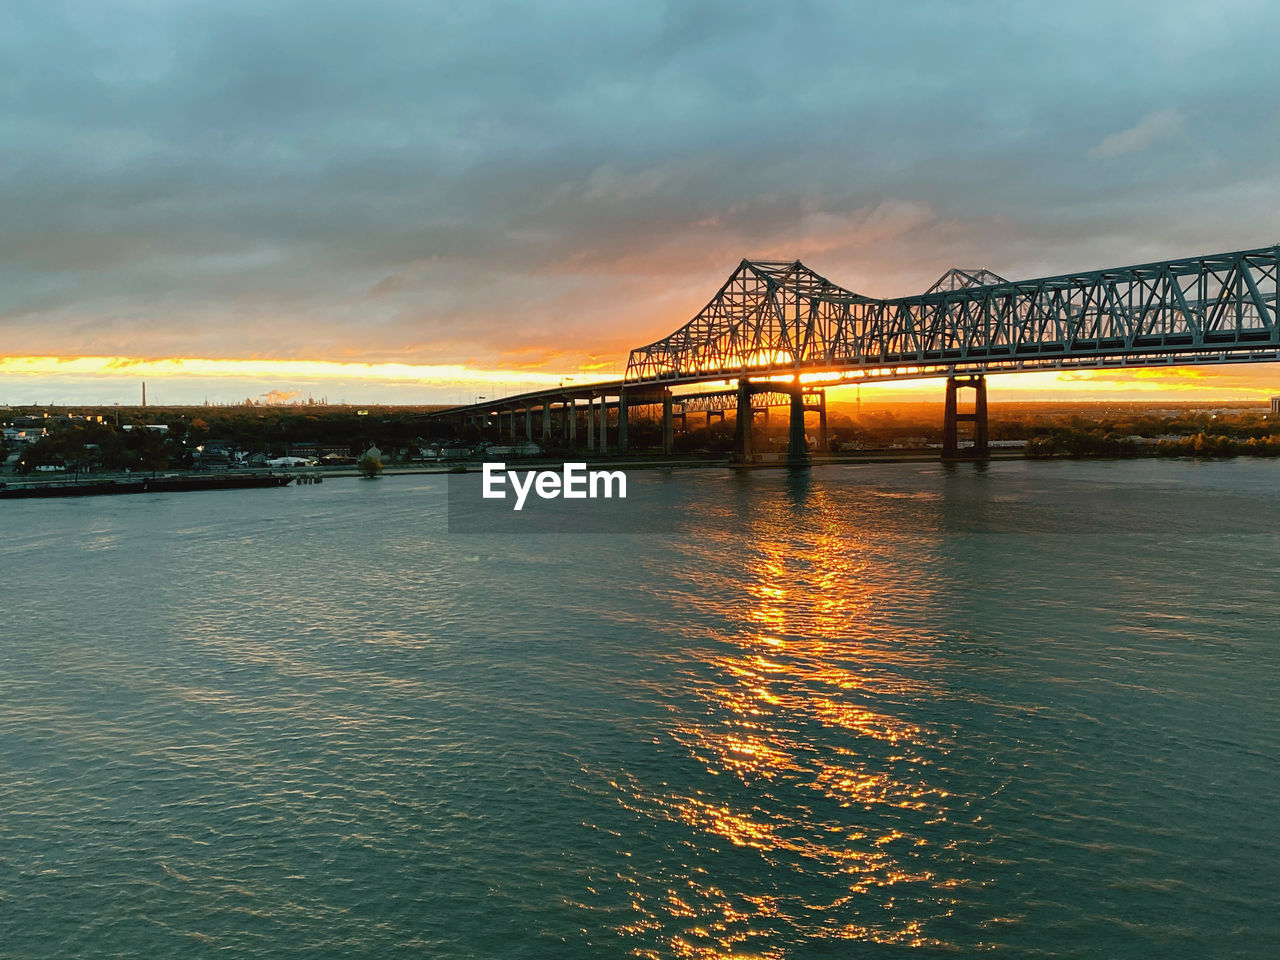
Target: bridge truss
{"x": 779, "y": 317}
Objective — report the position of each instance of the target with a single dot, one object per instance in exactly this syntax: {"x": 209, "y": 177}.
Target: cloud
{"x": 388, "y": 284}
{"x": 457, "y": 183}
{"x": 887, "y": 221}
{"x": 1153, "y": 128}
{"x": 279, "y": 396}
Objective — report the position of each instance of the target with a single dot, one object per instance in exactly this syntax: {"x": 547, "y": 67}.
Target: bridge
{"x": 777, "y": 333}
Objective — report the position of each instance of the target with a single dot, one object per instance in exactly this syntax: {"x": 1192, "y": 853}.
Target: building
{"x": 14, "y": 435}
{"x": 315, "y": 451}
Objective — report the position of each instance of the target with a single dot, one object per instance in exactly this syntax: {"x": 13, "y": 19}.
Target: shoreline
{"x": 250, "y": 477}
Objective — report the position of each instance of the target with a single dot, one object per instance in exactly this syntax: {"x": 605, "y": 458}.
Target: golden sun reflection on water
{"x": 815, "y": 764}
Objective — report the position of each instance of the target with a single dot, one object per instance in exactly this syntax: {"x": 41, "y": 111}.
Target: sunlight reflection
{"x": 803, "y": 698}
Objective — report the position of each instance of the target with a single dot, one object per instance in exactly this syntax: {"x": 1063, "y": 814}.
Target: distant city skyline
{"x": 421, "y": 203}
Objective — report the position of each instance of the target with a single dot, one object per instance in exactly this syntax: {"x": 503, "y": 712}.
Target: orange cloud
{"x": 293, "y": 369}
{"x": 280, "y": 396}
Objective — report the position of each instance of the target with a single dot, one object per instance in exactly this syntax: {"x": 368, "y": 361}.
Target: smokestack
{"x": 144, "y": 393}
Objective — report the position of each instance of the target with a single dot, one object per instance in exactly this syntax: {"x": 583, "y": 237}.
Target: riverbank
{"x": 658, "y": 461}
{"x": 124, "y": 482}
{"x": 168, "y": 483}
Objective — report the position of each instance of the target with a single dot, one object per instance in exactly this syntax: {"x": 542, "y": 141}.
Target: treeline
{"x": 102, "y": 442}
{"x": 1204, "y": 445}
{"x": 1095, "y": 444}
{"x": 84, "y": 445}
{"x": 1091, "y": 443}
{"x": 124, "y": 438}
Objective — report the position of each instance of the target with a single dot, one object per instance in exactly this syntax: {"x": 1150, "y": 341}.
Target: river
{"x": 1025, "y": 709}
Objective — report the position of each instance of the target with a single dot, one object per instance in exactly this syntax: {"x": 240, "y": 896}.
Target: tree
{"x": 370, "y": 465}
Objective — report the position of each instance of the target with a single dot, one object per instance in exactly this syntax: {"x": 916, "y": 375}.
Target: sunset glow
{"x": 181, "y": 380}
{"x": 91, "y": 379}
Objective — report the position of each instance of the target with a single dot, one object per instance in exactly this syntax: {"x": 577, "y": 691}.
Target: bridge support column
{"x": 742, "y": 432}
{"x": 528, "y": 423}
{"x": 952, "y": 418}
{"x": 591, "y": 424}
{"x": 604, "y": 424}
{"x": 622, "y": 421}
{"x": 797, "y": 449}
{"x": 668, "y": 436}
{"x": 571, "y": 417}
{"x": 513, "y": 424}
{"x": 546, "y": 422}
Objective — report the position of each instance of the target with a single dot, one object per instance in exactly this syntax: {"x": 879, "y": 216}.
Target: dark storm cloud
{"x": 457, "y": 181}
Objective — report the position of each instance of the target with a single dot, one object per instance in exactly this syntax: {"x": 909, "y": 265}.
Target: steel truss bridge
{"x": 778, "y": 326}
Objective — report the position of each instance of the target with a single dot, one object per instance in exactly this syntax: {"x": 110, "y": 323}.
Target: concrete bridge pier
{"x": 797, "y": 449}
{"x": 668, "y": 435}
{"x": 571, "y": 418}
{"x": 528, "y": 423}
{"x": 604, "y": 424}
{"x": 591, "y": 424}
{"x": 622, "y": 421}
{"x": 952, "y": 418}
{"x": 742, "y": 432}
{"x": 546, "y": 422}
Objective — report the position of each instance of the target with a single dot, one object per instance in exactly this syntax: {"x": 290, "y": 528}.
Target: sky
{"x": 430, "y": 201}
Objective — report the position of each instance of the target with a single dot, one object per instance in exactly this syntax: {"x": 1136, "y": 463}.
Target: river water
{"x": 1025, "y": 709}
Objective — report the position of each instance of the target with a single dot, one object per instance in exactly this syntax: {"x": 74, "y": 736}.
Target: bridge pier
{"x": 604, "y": 424}
{"x": 797, "y": 449}
{"x": 622, "y": 421}
{"x": 668, "y": 435}
{"x": 742, "y": 430}
{"x": 591, "y": 424}
{"x": 952, "y": 418}
{"x": 546, "y": 422}
{"x": 571, "y": 417}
